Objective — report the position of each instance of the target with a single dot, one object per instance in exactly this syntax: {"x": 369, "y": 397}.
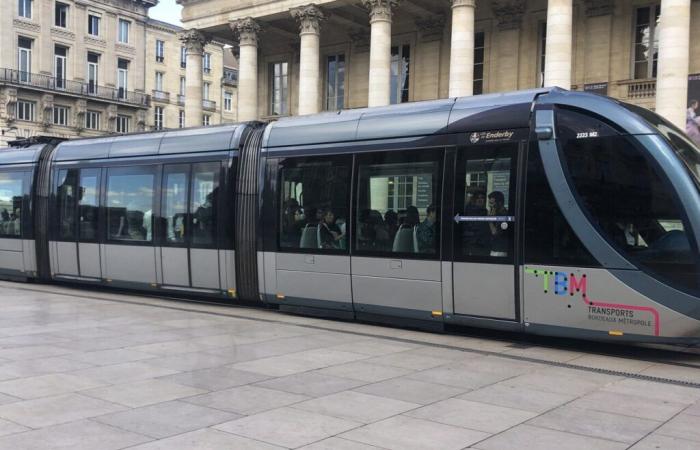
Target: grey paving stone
{"x": 356, "y": 406}
{"x": 39, "y": 366}
{"x": 206, "y": 439}
{"x": 652, "y": 390}
{"x": 375, "y": 347}
{"x": 80, "y": 435}
{"x": 409, "y": 390}
{"x": 313, "y": 384}
{"x": 365, "y": 371}
{"x": 603, "y": 425}
{"x": 279, "y": 366}
{"x": 684, "y": 426}
{"x": 246, "y": 399}
{"x": 215, "y": 379}
{"x": 472, "y": 415}
{"x": 457, "y": 376}
{"x": 690, "y": 374}
{"x": 336, "y": 443}
{"x": 56, "y": 410}
{"x": 630, "y": 405}
{"x": 408, "y": 433}
{"x": 122, "y": 373}
{"x": 292, "y": 427}
{"x": 142, "y": 393}
{"x": 47, "y": 385}
{"x": 167, "y": 419}
{"x": 111, "y": 356}
{"x": 7, "y": 427}
{"x": 659, "y": 442}
{"x": 612, "y": 363}
{"x": 693, "y": 409}
{"x": 192, "y": 361}
{"x": 563, "y": 381}
{"x": 407, "y": 360}
{"x": 527, "y": 437}
{"x": 32, "y": 352}
{"x": 503, "y": 394}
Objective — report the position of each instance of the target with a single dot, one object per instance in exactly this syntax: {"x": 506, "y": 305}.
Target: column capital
{"x": 509, "y": 13}
{"x": 380, "y": 10}
{"x": 246, "y": 30}
{"x": 194, "y": 40}
{"x": 460, "y": 3}
{"x": 309, "y": 18}
{"x": 595, "y": 8}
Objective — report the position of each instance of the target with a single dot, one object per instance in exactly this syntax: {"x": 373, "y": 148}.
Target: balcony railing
{"x": 58, "y": 84}
{"x": 161, "y": 96}
{"x": 180, "y": 99}
{"x": 639, "y": 89}
{"x": 209, "y": 105}
{"x": 231, "y": 77}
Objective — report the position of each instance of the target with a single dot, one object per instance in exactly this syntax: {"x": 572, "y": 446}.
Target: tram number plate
{"x": 587, "y": 134}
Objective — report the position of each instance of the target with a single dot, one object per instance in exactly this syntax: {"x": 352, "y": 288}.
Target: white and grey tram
{"x": 544, "y": 211}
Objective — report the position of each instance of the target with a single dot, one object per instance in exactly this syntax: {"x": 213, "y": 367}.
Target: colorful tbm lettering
{"x": 563, "y": 282}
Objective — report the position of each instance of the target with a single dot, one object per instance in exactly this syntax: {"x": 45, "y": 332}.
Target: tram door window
{"x": 486, "y": 203}
{"x": 130, "y": 195}
{"x": 66, "y": 198}
{"x": 314, "y": 203}
{"x": 633, "y": 205}
{"x": 175, "y": 203}
{"x": 13, "y": 186}
{"x": 204, "y": 203}
{"x": 88, "y": 203}
{"x": 398, "y": 203}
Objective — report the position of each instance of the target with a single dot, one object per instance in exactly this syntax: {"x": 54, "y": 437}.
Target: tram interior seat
{"x": 406, "y": 240}
{"x": 309, "y": 237}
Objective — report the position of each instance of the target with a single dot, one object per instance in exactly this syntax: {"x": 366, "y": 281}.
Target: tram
{"x": 542, "y": 211}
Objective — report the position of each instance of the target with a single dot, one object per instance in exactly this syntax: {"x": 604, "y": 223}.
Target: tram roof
{"x": 476, "y": 113}
{"x": 20, "y": 155}
{"x": 188, "y": 140}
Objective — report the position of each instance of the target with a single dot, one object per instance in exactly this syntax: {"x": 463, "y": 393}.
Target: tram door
{"x": 189, "y": 249}
{"x": 75, "y": 245}
{"x": 484, "y": 231}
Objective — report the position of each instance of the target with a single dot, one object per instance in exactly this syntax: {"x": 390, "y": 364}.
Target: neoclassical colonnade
{"x": 673, "y": 63}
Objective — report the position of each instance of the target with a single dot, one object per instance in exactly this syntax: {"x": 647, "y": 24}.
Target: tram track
{"x": 651, "y": 353}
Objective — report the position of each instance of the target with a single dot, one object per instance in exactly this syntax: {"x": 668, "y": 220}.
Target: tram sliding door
{"x": 484, "y": 270}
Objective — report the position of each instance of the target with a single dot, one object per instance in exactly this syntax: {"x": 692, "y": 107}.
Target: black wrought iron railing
{"x": 60, "y": 84}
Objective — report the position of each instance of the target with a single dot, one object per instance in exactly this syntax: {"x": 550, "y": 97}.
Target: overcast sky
{"x": 167, "y": 11}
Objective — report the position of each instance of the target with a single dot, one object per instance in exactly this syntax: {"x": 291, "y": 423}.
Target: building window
{"x": 60, "y": 54}
{"x": 181, "y": 119}
{"x": 25, "y": 8}
{"x": 183, "y": 85}
{"x": 92, "y": 120}
{"x": 206, "y": 120}
{"x": 158, "y": 118}
{"x": 159, "y": 81}
{"x": 541, "y": 52}
{"x": 206, "y": 62}
{"x": 205, "y": 91}
{"x": 122, "y": 77}
{"x": 123, "y": 123}
{"x": 25, "y": 110}
{"x": 24, "y": 59}
{"x": 279, "y": 89}
{"x": 646, "y": 41}
{"x": 228, "y": 101}
{"x": 160, "y": 51}
{"x": 93, "y": 25}
{"x": 124, "y": 26}
{"x": 335, "y": 82}
{"x": 183, "y": 57}
{"x": 400, "y": 64}
{"x": 60, "y": 115}
{"x": 479, "y": 45}
{"x": 61, "y": 15}
{"x": 92, "y": 66}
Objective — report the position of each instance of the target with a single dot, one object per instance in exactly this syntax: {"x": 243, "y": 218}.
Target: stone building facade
{"x": 299, "y": 57}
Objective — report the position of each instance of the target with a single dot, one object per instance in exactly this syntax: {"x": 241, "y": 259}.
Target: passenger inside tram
{"x": 476, "y": 236}
{"x": 499, "y": 236}
{"x": 330, "y": 234}
{"x": 426, "y": 231}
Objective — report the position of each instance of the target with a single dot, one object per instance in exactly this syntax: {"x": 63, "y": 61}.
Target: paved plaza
{"x": 103, "y": 370}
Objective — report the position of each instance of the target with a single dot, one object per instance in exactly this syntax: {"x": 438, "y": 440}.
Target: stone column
{"x": 674, "y": 60}
{"x": 194, "y": 42}
{"x": 309, "y": 18}
{"x": 380, "y": 51}
{"x": 557, "y": 68}
{"x": 246, "y": 31}
{"x": 462, "y": 50}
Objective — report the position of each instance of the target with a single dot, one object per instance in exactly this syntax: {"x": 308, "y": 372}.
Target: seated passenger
{"x": 330, "y": 233}
{"x": 499, "y": 236}
{"x": 426, "y": 232}
{"x": 412, "y": 217}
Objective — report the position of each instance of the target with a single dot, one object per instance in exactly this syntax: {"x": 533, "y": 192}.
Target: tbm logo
{"x": 563, "y": 282}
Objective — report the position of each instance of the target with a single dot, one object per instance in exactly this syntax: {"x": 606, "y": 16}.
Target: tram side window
{"x": 633, "y": 205}
{"x": 314, "y": 203}
{"x": 65, "y": 202}
{"x": 175, "y": 203}
{"x": 130, "y": 203}
{"x": 88, "y": 203}
{"x": 204, "y": 202}
{"x": 12, "y": 189}
{"x": 398, "y": 203}
{"x": 549, "y": 239}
